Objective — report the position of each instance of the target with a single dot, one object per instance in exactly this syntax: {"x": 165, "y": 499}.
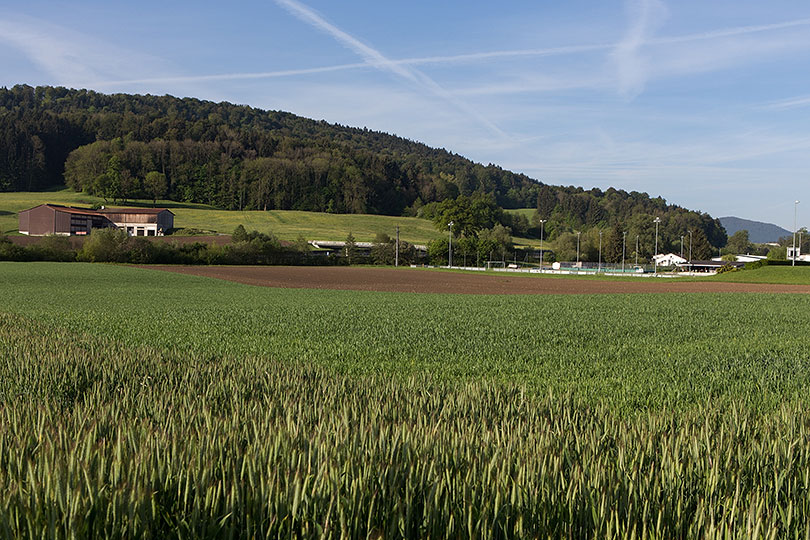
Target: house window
{"x": 150, "y": 232}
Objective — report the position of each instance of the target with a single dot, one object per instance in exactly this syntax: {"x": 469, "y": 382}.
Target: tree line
{"x": 237, "y": 157}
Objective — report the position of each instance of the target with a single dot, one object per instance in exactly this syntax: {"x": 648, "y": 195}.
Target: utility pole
{"x": 795, "y": 227}
{"x": 681, "y": 246}
{"x": 578, "y": 234}
{"x": 599, "y": 269}
{"x": 636, "y": 250}
{"x": 450, "y": 246}
{"x": 690, "y": 249}
{"x": 655, "y": 259}
{"x": 624, "y": 242}
{"x": 396, "y": 252}
{"x": 542, "y": 221}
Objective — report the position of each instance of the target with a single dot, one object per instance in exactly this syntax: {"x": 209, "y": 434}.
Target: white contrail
{"x": 238, "y": 76}
{"x": 468, "y": 57}
{"x": 378, "y": 60}
{"x": 790, "y": 103}
{"x": 371, "y": 56}
{"x": 471, "y": 57}
{"x": 728, "y": 32}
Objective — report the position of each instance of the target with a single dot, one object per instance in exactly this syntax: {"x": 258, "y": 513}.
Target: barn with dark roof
{"x": 69, "y": 221}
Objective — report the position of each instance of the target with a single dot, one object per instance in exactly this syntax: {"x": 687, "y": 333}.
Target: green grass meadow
{"x": 286, "y": 224}
{"x": 785, "y": 275}
{"x": 139, "y": 403}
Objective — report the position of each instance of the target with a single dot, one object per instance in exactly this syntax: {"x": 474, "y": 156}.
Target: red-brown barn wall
{"x": 41, "y": 220}
{"x": 25, "y": 221}
{"x": 62, "y": 225}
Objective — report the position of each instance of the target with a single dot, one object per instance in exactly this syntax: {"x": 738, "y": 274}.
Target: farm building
{"x": 68, "y": 221}
{"x": 140, "y": 221}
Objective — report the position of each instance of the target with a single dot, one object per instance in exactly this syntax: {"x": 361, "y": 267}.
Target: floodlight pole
{"x": 450, "y": 246}
{"x": 396, "y": 251}
{"x": 578, "y": 235}
{"x": 690, "y": 249}
{"x": 624, "y": 241}
{"x": 795, "y": 227}
{"x": 542, "y": 221}
{"x": 681, "y": 246}
{"x": 655, "y": 258}
{"x": 599, "y": 269}
{"x": 636, "y": 250}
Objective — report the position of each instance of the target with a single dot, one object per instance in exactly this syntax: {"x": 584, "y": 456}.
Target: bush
{"x": 10, "y": 251}
{"x": 52, "y": 248}
{"x": 105, "y": 245}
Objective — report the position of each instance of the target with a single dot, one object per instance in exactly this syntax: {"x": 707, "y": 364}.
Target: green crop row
{"x": 137, "y": 403}
{"x": 99, "y": 440}
{"x": 634, "y": 351}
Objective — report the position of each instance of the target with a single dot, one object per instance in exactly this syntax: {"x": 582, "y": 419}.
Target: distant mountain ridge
{"x": 758, "y": 232}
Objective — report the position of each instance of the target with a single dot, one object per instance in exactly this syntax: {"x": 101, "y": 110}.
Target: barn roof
{"x": 67, "y": 209}
{"x": 134, "y": 210}
{"x": 101, "y": 212}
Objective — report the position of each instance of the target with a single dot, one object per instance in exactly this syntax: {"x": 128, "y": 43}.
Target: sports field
{"x": 136, "y": 402}
{"x": 432, "y": 281}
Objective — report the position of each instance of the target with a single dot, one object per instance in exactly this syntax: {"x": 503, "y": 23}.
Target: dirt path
{"x": 423, "y": 281}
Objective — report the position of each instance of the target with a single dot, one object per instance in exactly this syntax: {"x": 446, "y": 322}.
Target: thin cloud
{"x": 790, "y": 103}
{"x": 380, "y": 61}
{"x": 68, "y": 57}
{"x": 631, "y": 64}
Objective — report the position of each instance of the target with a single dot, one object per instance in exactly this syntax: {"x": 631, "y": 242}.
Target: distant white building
{"x": 799, "y": 256}
{"x": 744, "y": 258}
{"x": 670, "y": 259}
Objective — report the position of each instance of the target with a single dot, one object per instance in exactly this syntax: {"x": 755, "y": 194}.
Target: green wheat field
{"x": 137, "y": 403}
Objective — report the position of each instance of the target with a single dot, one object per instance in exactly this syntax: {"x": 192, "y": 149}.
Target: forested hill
{"x": 238, "y": 157}
{"x": 228, "y": 155}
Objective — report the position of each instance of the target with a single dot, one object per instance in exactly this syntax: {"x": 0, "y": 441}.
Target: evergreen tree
{"x": 612, "y": 245}
{"x": 350, "y": 249}
{"x": 701, "y": 249}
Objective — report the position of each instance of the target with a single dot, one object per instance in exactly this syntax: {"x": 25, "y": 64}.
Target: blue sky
{"x": 704, "y": 103}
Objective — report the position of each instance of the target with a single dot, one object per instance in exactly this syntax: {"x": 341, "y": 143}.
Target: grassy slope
{"x": 286, "y": 224}
{"x": 788, "y": 275}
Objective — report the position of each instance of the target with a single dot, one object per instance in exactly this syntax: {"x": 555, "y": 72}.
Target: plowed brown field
{"x": 425, "y": 281}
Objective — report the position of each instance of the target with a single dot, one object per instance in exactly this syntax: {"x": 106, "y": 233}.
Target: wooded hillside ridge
{"x": 238, "y": 157}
